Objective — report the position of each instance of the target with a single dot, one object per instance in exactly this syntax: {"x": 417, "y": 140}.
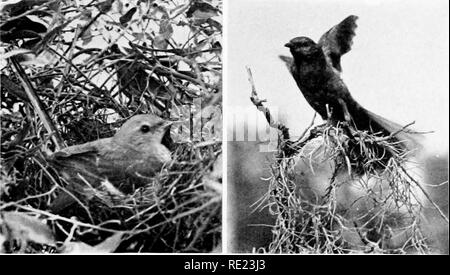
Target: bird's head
{"x": 303, "y": 47}
{"x": 141, "y": 130}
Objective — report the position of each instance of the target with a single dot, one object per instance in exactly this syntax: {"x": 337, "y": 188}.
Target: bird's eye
{"x": 145, "y": 128}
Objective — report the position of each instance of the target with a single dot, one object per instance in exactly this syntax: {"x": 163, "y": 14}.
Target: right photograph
{"x": 337, "y": 127}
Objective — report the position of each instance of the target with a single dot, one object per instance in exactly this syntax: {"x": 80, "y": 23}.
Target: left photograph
{"x": 111, "y": 126}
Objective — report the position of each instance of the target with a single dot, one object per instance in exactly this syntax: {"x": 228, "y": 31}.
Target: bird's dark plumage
{"x": 338, "y": 41}
{"x": 316, "y": 68}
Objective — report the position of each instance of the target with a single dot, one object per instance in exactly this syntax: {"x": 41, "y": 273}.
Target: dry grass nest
{"x": 384, "y": 217}
{"x": 177, "y": 211}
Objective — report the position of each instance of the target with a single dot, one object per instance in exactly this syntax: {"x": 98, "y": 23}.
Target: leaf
{"x": 127, "y": 16}
{"x": 27, "y": 229}
{"x": 21, "y": 28}
{"x": 139, "y": 35}
{"x": 87, "y": 37}
{"x": 15, "y": 53}
{"x": 8, "y": 37}
{"x": 156, "y": 9}
{"x": 21, "y": 135}
{"x": 215, "y": 24}
{"x": 105, "y": 6}
{"x": 30, "y": 43}
{"x": 160, "y": 42}
{"x": 15, "y": 8}
{"x": 12, "y": 88}
{"x": 86, "y": 15}
{"x": 107, "y": 246}
{"x": 165, "y": 33}
{"x": 23, "y": 23}
{"x": 8, "y": 3}
{"x": 110, "y": 189}
{"x": 165, "y": 29}
{"x": 201, "y": 10}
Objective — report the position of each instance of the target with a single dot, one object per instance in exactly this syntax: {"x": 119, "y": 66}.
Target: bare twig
{"x": 37, "y": 104}
{"x": 260, "y": 106}
{"x": 441, "y": 213}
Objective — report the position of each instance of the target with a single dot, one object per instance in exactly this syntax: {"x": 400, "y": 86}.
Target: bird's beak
{"x": 288, "y": 45}
{"x": 166, "y": 138}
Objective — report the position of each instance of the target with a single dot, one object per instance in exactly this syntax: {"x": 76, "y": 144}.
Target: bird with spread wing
{"x": 316, "y": 68}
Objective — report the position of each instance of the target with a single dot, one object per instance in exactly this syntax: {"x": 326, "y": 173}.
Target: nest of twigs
{"x": 383, "y": 215}
{"x": 177, "y": 211}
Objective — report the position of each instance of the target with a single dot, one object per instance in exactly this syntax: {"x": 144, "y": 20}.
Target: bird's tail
{"x": 287, "y": 60}
{"x": 411, "y": 140}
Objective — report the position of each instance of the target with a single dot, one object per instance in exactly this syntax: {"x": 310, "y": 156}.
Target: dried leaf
{"x": 11, "y": 87}
{"x": 214, "y": 23}
{"x": 86, "y": 15}
{"x": 201, "y": 10}
{"x": 27, "y": 229}
{"x": 159, "y": 10}
{"x": 160, "y": 42}
{"x": 30, "y": 43}
{"x": 21, "y": 34}
{"x": 127, "y": 16}
{"x": 165, "y": 29}
{"x": 21, "y": 135}
{"x": 105, "y": 6}
{"x": 15, "y": 52}
{"x": 87, "y": 37}
{"x": 139, "y": 35}
{"x": 165, "y": 33}
{"x": 15, "y": 8}
{"x": 23, "y": 23}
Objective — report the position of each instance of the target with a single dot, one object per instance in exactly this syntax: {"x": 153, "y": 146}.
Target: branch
{"x": 441, "y": 213}
{"x": 260, "y": 106}
{"x": 287, "y": 147}
{"x": 37, "y": 104}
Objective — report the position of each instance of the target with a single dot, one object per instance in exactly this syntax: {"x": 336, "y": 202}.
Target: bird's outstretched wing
{"x": 338, "y": 41}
